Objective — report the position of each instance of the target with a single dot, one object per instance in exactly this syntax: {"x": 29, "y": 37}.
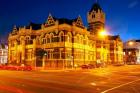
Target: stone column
{"x": 23, "y": 52}
{"x": 60, "y": 54}
{"x": 16, "y": 52}
{"x": 34, "y": 53}
{"x": 9, "y": 53}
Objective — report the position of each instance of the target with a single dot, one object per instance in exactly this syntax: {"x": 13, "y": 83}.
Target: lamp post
{"x": 35, "y": 62}
{"x": 72, "y": 62}
{"x": 84, "y": 50}
{"x": 44, "y": 57}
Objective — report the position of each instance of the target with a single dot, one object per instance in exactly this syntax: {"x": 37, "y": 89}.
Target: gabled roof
{"x": 34, "y": 26}
{"x": 79, "y": 22}
{"x": 65, "y": 20}
{"x": 137, "y": 40}
{"x": 51, "y": 21}
{"x": 3, "y": 46}
{"x": 114, "y": 37}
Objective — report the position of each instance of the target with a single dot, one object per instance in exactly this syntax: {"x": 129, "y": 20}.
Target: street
{"x": 118, "y": 79}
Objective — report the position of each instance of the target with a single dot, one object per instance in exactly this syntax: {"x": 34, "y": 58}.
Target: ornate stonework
{"x": 61, "y": 43}
{"x": 3, "y": 54}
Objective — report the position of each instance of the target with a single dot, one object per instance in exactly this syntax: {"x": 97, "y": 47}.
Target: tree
{"x": 40, "y": 52}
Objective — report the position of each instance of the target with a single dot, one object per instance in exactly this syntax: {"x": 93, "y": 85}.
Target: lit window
{"x": 129, "y": 53}
{"x": 123, "y": 53}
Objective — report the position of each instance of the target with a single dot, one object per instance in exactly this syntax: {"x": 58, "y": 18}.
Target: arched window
{"x": 81, "y": 39}
{"x": 41, "y": 39}
{"x": 37, "y": 40}
{"x": 61, "y": 37}
{"x": 69, "y": 37}
{"x": 75, "y": 39}
{"x": 21, "y": 38}
{"x": 44, "y": 41}
{"x": 27, "y": 40}
{"x": 78, "y": 38}
{"x": 85, "y": 40}
{"x": 51, "y": 37}
{"x": 47, "y": 38}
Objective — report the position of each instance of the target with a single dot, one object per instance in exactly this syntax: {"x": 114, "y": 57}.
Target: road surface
{"x": 124, "y": 79}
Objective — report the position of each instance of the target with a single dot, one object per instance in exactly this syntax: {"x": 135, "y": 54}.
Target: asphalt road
{"x": 103, "y": 80}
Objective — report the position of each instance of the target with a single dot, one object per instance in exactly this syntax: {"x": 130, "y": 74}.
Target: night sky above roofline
{"x": 122, "y": 15}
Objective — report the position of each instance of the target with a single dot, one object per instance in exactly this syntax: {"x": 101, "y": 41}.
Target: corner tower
{"x": 96, "y": 19}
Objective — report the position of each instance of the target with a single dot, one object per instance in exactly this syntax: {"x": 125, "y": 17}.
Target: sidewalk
{"x": 109, "y": 68}
{"x": 61, "y": 70}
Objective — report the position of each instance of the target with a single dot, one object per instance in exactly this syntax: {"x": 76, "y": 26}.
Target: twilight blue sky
{"x": 122, "y": 16}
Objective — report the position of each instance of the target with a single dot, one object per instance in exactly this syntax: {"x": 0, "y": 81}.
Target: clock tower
{"x": 96, "y": 19}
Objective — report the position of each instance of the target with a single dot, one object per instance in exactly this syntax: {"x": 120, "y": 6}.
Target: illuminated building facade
{"x": 132, "y": 52}
{"x": 3, "y": 54}
{"x": 60, "y": 43}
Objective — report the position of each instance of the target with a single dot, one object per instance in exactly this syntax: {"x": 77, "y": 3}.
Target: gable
{"x": 79, "y": 22}
{"x": 50, "y": 21}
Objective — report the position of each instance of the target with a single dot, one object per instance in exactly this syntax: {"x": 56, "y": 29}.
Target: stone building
{"x": 132, "y": 52}
{"x": 3, "y": 54}
{"x": 60, "y": 42}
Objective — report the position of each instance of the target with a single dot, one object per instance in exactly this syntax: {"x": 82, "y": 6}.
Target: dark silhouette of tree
{"x": 40, "y": 52}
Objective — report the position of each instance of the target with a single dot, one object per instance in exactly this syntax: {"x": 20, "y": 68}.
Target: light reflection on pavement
{"x": 114, "y": 79}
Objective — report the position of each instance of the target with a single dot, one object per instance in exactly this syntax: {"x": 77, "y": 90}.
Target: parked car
{"x": 1, "y": 67}
{"x": 88, "y": 66}
{"x": 27, "y": 68}
{"x": 19, "y": 68}
{"x": 84, "y": 66}
{"x": 91, "y": 66}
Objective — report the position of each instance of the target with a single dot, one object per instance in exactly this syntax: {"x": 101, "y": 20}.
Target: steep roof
{"x": 65, "y": 20}
{"x": 95, "y": 7}
{"x": 137, "y": 40}
{"x": 51, "y": 21}
{"x": 3, "y": 46}
{"x": 34, "y": 26}
{"x": 113, "y": 37}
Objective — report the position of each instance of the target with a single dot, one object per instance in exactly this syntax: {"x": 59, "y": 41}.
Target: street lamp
{"x": 35, "y": 62}
{"x": 130, "y": 43}
{"x": 44, "y": 56}
{"x": 101, "y": 35}
{"x": 71, "y": 61}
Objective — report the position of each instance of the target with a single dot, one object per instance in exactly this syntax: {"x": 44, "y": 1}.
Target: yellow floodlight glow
{"x": 130, "y": 43}
{"x": 102, "y": 33}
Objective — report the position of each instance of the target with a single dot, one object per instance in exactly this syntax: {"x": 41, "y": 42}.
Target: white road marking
{"x": 119, "y": 86}
{"x": 93, "y": 84}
